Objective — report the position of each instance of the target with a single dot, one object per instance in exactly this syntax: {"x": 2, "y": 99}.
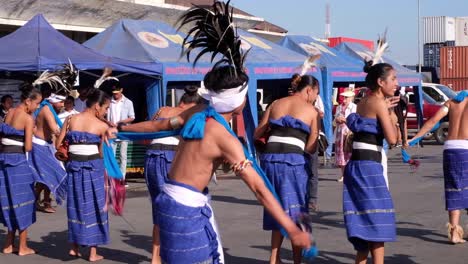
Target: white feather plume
{"x": 52, "y": 79}
{"x": 382, "y": 46}
{"x": 309, "y": 63}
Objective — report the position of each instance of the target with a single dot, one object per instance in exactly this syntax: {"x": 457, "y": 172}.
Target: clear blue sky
{"x": 357, "y": 18}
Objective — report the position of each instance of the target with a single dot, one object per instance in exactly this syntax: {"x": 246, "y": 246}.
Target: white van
{"x": 440, "y": 93}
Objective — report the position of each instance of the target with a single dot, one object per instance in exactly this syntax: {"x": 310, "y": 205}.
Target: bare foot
{"x": 74, "y": 253}
{"x": 26, "y": 251}
{"x": 8, "y": 250}
{"x": 95, "y": 258}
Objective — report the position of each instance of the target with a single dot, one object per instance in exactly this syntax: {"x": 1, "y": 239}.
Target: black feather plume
{"x": 61, "y": 80}
{"x": 212, "y": 30}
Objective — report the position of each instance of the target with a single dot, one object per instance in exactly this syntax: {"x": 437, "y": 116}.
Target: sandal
{"x": 451, "y": 230}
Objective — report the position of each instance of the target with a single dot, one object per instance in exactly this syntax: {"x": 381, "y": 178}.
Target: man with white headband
{"x": 188, "y": 232}
{"x": 50, "y": 172}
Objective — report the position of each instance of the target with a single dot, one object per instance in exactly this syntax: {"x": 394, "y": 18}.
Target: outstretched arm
{"x": 233, "y": 153}
{"x": 443, "y": 111}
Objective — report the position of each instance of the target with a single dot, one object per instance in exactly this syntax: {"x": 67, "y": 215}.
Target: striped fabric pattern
{"x": 86, "y": 199}
{"x": 367, "y": 204}
{"x": 49, "y": 171}
{"x": 186, "y": 234}
{"x": 157, "y": 166}
{"x": 456, "y": 178}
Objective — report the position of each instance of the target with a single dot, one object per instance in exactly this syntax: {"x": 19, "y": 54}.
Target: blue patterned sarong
{"x": 187, "y": 230}
{"x": 456, "y": 174}
{"x": 288, "y": 172}
{"x": 86, "y": 201}
{"x": 367, "y": 204}
{"x": 17, "y": 199}
{"x": 48, "y": 170}
{"x": 157, "y": 166}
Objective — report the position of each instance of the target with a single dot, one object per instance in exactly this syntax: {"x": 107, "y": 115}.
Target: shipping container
{"x": 335, "y": 41}
{"x": 431, "y": 53}
{"x": 453, "y": 62}
{"x": 461, "y": 31}
{"x": 457, "y": 84}
{"x": 438, "y": 29}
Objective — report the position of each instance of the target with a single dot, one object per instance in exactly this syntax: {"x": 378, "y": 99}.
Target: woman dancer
{"x": 17, "y": 198}
{"x": 367, "y": 204}
{"x": 293, "y": 121}
{"x": 86, "y": 200}
{"x": 342, "y": 112}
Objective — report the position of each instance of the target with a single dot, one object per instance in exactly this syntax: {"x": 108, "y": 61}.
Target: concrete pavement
{"x": 418, "y": 198}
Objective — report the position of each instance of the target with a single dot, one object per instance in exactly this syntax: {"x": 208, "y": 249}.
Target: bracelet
{"x": 237, "y": 168}
{"x": 120, "y": 125}
{"x": 174, "y": 122}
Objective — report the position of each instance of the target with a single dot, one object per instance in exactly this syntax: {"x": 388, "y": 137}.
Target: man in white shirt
{"x": 120, "y": 113}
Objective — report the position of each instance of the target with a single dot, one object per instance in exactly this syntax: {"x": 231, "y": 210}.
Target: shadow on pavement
{"x": 137, "y": 241}
{"x": 230, "y": 199}
{"x": 240, "y": 260}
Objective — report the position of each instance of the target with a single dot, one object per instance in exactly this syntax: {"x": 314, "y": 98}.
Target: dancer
{"x": 455, "y": 162}
{"x": 367, "y": 204}
{"x": 293, "y": 123}
{"x": 86, "y": 198}
{"x": 160, "y": 154}
{"x": 17, "y": 199}
{"x": 51, "y": 175}
{"x": 187, "y": 229}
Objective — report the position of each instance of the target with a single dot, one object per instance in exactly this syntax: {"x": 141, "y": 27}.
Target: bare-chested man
{"x": 455, "y": 161}
{"x": 50, "y": 171}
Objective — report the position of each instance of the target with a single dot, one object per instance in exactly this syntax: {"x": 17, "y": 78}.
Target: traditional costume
{"x": 367, "y": 204}
{"x": 86, "y": 202}
{"x": 456, "y": 174}
{"x": 158, "y": 161}
{"x": 287, "y": 167}
{"x": 187, "y": 228}
{"x": 17, "y": 199}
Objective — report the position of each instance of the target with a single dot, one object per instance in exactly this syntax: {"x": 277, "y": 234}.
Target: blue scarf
{"x": 51, "y": 108}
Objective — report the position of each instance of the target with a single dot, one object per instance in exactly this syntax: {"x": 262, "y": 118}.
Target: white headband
{"x": 55, "y": 98}
{"x": 226, "y": 100}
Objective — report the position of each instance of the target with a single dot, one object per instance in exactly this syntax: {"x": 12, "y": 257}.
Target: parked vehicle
{"x": 440, "y": 93}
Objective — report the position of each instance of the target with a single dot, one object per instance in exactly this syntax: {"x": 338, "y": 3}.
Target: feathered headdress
{"x": 309, "y": 63}
{"x": 382, "y": 46}
{"x": 106, "y": 82}
{"x": 60, "y": 80}
{"x": 212, "y": 30}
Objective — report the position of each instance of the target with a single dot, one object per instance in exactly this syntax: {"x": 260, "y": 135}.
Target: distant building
{"x": 80, "y": 20}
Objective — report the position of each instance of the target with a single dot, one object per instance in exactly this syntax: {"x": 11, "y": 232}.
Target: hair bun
{"x": 295, "y": 80}
{"x": 26, "y": 87}
{"x": 191, "y": 90}
{"x": 367, "y": 65}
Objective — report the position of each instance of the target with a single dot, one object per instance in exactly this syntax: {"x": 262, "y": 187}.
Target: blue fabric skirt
{"x": 367, "y": 204}
{"x": 186, "y": 233}
{"x": 17, "y": 199}
{"x": 87, "y": 218}
{"x": 289, "y": 174}
{"x": 456, "y": 178}
{"x": 157, "y": 166}
{"x": 49, "y": 171}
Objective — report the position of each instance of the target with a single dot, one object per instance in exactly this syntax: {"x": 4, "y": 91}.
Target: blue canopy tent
{"x": 37, "y": 46}
{"x": 405, "y": 76}
{"x": 151, "y": 41}
{"x": 335, "y": 67}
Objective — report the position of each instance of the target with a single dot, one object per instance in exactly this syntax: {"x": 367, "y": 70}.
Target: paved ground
{"x": 418, "y": 199}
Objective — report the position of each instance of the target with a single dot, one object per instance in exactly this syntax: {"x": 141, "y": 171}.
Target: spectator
{"x": 69, "y": 109}
{"x": 341, "y": 130}
{"x": 6, "y": 103}
{"x": 80, "y": 102}
{"x": 120, "y": 113}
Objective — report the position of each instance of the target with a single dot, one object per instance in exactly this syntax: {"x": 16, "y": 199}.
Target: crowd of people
{"x": 180, "y": 166}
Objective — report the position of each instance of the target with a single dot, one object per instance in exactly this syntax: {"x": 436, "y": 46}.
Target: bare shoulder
{"x": 215, "y": 129}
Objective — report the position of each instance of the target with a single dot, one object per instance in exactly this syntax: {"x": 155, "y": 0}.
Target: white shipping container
{"x": 461, "y": 31}
{"x": 438, "y": 29}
